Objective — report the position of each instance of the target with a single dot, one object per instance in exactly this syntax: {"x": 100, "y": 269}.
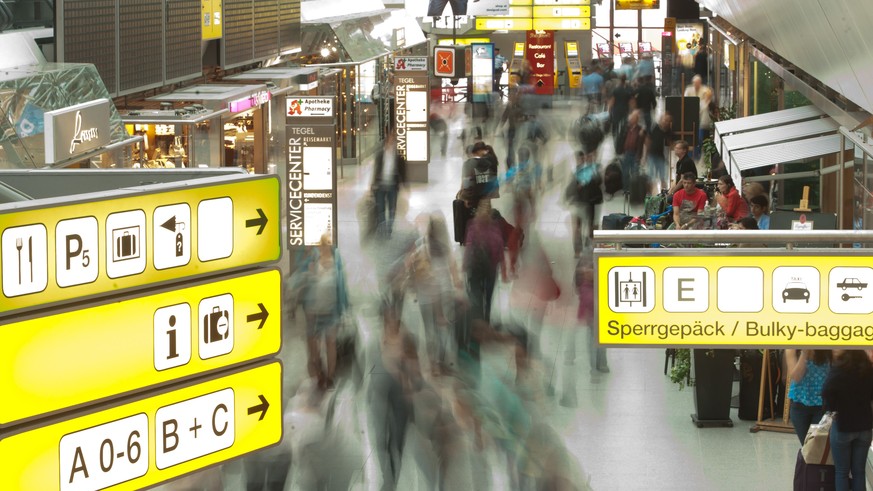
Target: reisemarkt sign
{"x": 729, "y": 298}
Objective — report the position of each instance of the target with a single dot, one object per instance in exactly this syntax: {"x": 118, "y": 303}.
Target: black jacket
{"x": 849, "y": 393}
{"x": 399, "y": 178}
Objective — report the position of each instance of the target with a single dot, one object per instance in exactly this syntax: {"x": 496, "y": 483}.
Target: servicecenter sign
{"x": 734, "y": 298}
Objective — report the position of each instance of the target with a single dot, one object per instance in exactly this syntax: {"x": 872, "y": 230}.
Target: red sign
{"x": 540, "y": 54}
{"x": 444, "y": 62}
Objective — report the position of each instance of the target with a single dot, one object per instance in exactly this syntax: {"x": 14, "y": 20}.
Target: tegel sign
{"x": 93, "y": 244}
{"x": 76, "y": 130}
{"x": 311, "y": 157}
{"x": 142, "y": 443}
{"x": 734, "y": 298}
{"x": 59, "y": 361}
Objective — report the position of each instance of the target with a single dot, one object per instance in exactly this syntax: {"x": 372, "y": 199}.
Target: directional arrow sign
{"x": 96, "y": 244}
{"x": 259, "y": 316}
{"x": 48, "y": 364}
{"x": 260, "y": 408}
{"x": 150, "y": 440}
{"x": 259, "y": 222}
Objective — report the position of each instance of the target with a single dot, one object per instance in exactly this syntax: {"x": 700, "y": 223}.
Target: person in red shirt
{"x": 727, "y": 196}
{"x": 687, "y": 201}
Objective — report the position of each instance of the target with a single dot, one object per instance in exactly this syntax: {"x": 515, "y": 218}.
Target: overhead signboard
{"x": 559, "y": 12}
{"x": 59, "y": 361}
{"x": 579, "y": 24}
{"x": 503, "y": 23}
{"x": 637, "y": 4}
{"x": 311, "y": 175}
{"x": 441, "y": 8}
{"x": 76, "y": 130}
{"x": 309, "y": 107}
{"x": 734, "y": 298}
{"x": 151, "y": 440}
{"x": 101, "y": 243}
{"x": 450, "y": 41}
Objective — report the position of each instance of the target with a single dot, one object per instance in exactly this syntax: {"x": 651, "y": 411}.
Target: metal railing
{"x": 787, "y": 238}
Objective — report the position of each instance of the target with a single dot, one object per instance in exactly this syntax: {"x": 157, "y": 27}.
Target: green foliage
{"x": 680, "y": 372}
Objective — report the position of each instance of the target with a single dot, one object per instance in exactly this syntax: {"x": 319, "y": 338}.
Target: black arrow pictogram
{"x": 260, "y": 408}
{"x": 261, "y": 221}
{"x": 259, "y": 316}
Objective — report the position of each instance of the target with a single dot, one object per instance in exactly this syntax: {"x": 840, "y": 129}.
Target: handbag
{"x": 817, "y": 444}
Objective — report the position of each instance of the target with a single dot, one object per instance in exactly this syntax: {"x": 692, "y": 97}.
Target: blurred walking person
{"x": 389, "y": 176}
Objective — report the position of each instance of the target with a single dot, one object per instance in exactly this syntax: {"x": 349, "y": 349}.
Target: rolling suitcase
{"x": 813, "y": 477}
{"x": 615, "y": 221}
{"x": 638, "y": 188}
{"x": 612, "y": 180}
{"x": 460, "y": 215}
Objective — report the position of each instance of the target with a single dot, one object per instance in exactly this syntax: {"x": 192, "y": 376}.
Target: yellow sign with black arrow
{"x": 97, "y": 244}
{"x": 151, "y": 440}
{"x": 56, "y": 362}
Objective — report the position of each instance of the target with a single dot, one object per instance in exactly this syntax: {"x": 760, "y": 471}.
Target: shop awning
{"x": 373, "y": 35}
{"x": 762, "y": 121}
{"x": 780, "y": 134}
{"x": 782, "y": 153}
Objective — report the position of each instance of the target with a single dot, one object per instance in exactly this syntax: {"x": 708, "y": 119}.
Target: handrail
{"x": 735, "y": 236}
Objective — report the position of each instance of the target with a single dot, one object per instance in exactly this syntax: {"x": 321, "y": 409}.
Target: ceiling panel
{"x": 829, "y": 39}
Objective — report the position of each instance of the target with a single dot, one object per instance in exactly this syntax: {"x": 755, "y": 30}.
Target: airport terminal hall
{"x": 436, "y": 245}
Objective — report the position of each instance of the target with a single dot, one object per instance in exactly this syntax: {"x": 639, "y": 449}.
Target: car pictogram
{"x": 795, "y": 291}
{"x": 851, "y": 283}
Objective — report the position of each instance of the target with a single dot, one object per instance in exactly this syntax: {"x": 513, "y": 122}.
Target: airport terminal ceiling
{"x": 824, "y": 38}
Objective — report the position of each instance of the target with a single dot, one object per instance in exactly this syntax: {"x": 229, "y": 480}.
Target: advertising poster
{"x": 540, "y": 54}
{"x": 688, "y": 36}
{"x": 443, "y": 8}
{"x": 483, "y": 71}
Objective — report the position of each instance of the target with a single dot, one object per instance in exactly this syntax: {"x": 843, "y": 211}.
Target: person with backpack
{"x": 583, "y": 194}
{"x": 479, "y": 176}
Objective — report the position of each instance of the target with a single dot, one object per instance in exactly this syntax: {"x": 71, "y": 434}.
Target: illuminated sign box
{"x": 558, "y": 12}
{"x": 146, "y": 341}
{"x": 637, "y": 4}
{"x": 734, "y": 298}
{"x": 503, "y": 23}
{"x": 103, "y": 243}
{"x": 254, "y": 100}
{"x": 581, "y": 24}
{"x": 144, "y": 442}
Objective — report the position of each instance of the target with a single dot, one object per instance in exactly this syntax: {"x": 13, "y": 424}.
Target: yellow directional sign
{"x": 148, "y": 441}
{"x": 59, "y": 361}
{"x": 735, "y": 298}
{"x": 104, "y": 243}
{"x": 543, "y": 12}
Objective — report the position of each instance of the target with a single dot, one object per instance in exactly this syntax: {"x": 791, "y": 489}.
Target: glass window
{"x": 653, "y": 36}
{"x": 655, "y": 17}
{"x": 626, "y": 35}
{"x": 626, "y": 18}
{"x": 601, "y": 15}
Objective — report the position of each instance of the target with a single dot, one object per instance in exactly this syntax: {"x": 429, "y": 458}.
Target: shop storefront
{"x": 361, "y": 49}
{"x": 283, "y": 83}
{"x": 213, "y": 125}
{"x": 59, "y": 115}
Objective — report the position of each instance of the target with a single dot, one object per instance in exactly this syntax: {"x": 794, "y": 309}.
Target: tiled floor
{"x": 631, "y": 429}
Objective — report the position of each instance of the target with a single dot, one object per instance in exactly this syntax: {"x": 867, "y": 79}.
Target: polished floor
{"x": 629, "y": 429}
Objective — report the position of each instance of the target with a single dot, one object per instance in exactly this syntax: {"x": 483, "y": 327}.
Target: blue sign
{"x": 31, "y": 121}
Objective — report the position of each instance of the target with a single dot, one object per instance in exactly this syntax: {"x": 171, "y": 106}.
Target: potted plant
{"x": 713, "y": 383}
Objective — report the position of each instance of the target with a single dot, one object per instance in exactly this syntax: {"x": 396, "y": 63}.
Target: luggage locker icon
{"x": 126, "y": 243}
{"x": 216, "y": 325}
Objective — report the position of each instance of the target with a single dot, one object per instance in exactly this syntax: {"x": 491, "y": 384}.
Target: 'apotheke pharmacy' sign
{"x": 307, "y": 107}
{"x": 76, "y": 130}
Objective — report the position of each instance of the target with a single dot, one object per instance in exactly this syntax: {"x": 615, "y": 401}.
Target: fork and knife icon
{"x": 19, "y": 245}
